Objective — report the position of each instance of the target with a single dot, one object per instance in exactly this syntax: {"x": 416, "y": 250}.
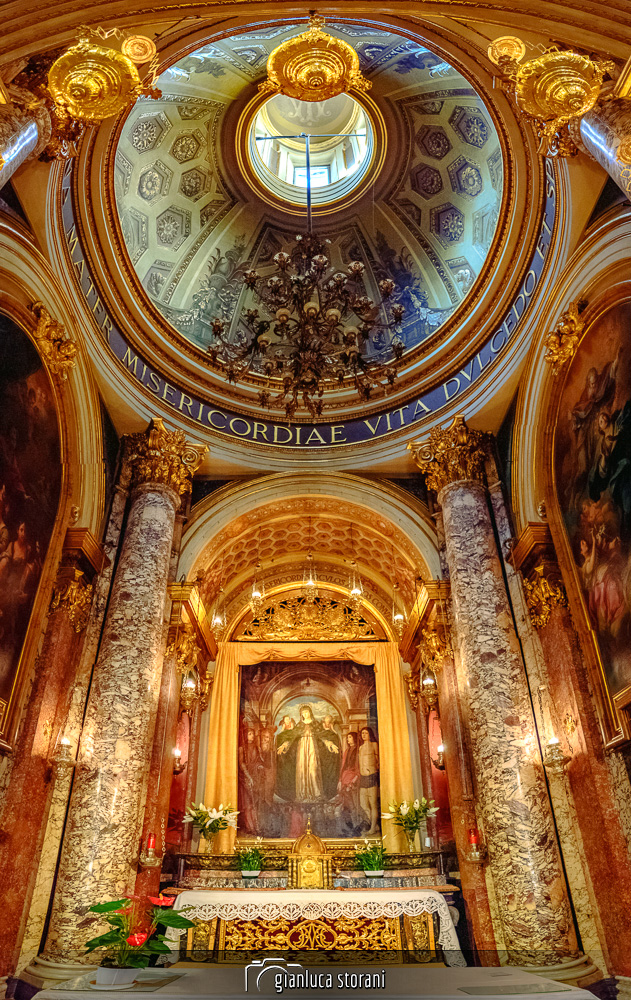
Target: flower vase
{"x": 411, "y": 839}
{"x": 206, "y": 843}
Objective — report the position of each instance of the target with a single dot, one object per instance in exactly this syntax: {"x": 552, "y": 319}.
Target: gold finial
{"x": 313, "y": 66}
{"x": 451, "y": 454}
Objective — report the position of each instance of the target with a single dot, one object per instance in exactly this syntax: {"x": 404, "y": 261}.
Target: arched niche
{"x": 75, "y": 457}
{"x": 569, "y": 434}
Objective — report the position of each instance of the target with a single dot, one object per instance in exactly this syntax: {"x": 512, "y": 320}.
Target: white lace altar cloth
{"x": 292, "y": 904}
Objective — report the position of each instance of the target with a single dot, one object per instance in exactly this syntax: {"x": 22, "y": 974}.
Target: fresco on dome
{"x": 30, "y": 477}
{"x": 593, "y": 475}
{"x": 308, "y": 749}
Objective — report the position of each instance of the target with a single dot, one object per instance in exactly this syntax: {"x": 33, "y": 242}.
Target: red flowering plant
{"x": 132, "y": 940}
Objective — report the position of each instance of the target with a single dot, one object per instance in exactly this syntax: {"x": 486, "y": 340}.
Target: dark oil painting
{"x": 308, "y": 750}
{"x": 30, "y": 478}
{"x": 593, "y": 476}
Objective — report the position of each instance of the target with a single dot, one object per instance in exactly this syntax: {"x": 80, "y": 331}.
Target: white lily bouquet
{"x": 411, "y": 816}
{"x": 211, "y": 821}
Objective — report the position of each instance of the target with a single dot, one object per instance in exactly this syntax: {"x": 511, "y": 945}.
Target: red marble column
{"x": 426, "y": 767}
{"x": 27, "y": 800}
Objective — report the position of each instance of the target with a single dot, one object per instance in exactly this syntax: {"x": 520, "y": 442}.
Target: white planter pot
{"x": 373, "y": 874}
{"x": 115, "y": 977}
{"x": 250, "y": 874}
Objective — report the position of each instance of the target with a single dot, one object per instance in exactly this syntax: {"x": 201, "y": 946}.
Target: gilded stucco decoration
{"x": 57, "y": 350}
{"x": 164, "y": 457}
{"x": 303, "y": 619}
{"x": 314, "y": 66}
{"x": 542, "y": 595}
{"x": 185, "y": 649}
{"x": 551, "y": 90}
{"x": 75, "y": 598}
{"x": 434, "y": 648}
{"x": 562, "y": 342}
{"x": 451, "y": 455}
{"x": 91, "y": 83}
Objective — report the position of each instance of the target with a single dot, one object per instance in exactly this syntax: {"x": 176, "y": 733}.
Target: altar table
{"x": 316, "y": 907}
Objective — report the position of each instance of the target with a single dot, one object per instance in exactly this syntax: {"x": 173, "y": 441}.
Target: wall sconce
{"x": 439, "y": 761}
{"x": 188, "y": 694}
{"x": 148, "y": 857}
{"x": 63, "y": 758}
{"x": 429, "y": 691}
{"x": 554, "y": 760}
{"x": 178, "y": 766}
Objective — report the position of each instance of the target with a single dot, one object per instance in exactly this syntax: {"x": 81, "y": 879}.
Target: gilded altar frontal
{"x": 315, "y": 499}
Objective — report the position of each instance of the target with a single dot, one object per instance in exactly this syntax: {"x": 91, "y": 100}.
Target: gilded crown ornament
{"x": 561, "y": 344}
{"x": 164, "y": 457}
{"x": 57, "y": 350}
{"x": 313, "y": 66}
{"x": 90, "y": 83}
{"x": 552, "y": 90}
{"x": 452, "y": 454}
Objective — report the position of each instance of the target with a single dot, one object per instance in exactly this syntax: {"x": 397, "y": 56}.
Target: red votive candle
{"x": 474, "y": 837}
{"x": 151, "y": 841}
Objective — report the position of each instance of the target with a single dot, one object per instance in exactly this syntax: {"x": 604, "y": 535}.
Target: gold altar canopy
{"x": 395, "y": 761}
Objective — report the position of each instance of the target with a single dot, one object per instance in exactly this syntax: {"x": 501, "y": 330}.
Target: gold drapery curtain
{"x": 222, "y": 772}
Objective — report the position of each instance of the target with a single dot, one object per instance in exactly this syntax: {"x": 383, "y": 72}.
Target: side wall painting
{"x": 30, "y": 481}
{"x": 593, "y": 480}
{"x": 308, "y": 749}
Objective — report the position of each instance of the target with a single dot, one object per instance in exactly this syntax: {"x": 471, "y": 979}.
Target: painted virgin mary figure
{"x": 310, "y": 772}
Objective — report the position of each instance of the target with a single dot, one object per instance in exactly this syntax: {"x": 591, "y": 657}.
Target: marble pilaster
{"x": 34, "y": 777}
{"x": 102, "y": 839}
{"x": 510, "y": 786}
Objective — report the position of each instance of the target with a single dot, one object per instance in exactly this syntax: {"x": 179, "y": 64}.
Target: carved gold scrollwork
{"x": 75, "y": 598}
{"x": 452, "y": 454}
{"x": 413, "y": 684}
{"x": 542, "y": 596}
{"x": 341, "y": 933}
{"x": 164, "y": 457}
{"x": 561, "y": 344}
{"x": 434, "y": 648}
{"x": 313, "y": 66}
{"x": 552, "y": 90}
{"x": 56, "y": 349}
{"x": 185, "y": 649}
{"x": 301, "y": 618}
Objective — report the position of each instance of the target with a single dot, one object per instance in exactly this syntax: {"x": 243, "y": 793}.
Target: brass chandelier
{"x": 312, "y": 328}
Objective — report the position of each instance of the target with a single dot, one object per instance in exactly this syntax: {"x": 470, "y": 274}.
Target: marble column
{"x": 586, "y": 776}
{"x": 23, "y": 133}
{"x": 605, "y": 134}
{"x": 510, "y": 785}
{"x": 34, "y": 773}
{"x": 102, "y": 838}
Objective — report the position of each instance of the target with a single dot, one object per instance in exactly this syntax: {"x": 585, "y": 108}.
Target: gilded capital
{"x": 451, "y": 455}
{"x": 75, "y": 598}
{"x": 164, "y": 457}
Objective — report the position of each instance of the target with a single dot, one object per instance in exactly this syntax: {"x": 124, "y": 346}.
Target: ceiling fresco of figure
{"x": 193, "y": 222}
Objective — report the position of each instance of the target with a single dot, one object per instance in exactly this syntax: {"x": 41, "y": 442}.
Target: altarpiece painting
{"x": 593, "y": 476}
{"x": 30, "y": 478}
{"x": 308, "y": 749}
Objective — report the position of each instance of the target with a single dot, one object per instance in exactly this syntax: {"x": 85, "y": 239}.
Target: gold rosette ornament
{"x": 313, "y": 66}
{"x": 139, "y": 48}
{"x": 91, "y": 83}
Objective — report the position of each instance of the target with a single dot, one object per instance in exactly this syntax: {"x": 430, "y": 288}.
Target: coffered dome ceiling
{"x": 418, "y": 192}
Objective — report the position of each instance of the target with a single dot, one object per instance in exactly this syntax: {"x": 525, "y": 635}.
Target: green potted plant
{"x": 371, "y": 858}
{"x": 132, "y": 939}
{"x": 411, "y": 816}
{"x": 251, "y": 859}
{"x": 210, "y": 821}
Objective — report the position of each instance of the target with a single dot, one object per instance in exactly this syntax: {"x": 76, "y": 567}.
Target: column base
{"x": 43, "y": 972}
{"x": 624, "y": 987}
{"x": 579, "y": 971}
